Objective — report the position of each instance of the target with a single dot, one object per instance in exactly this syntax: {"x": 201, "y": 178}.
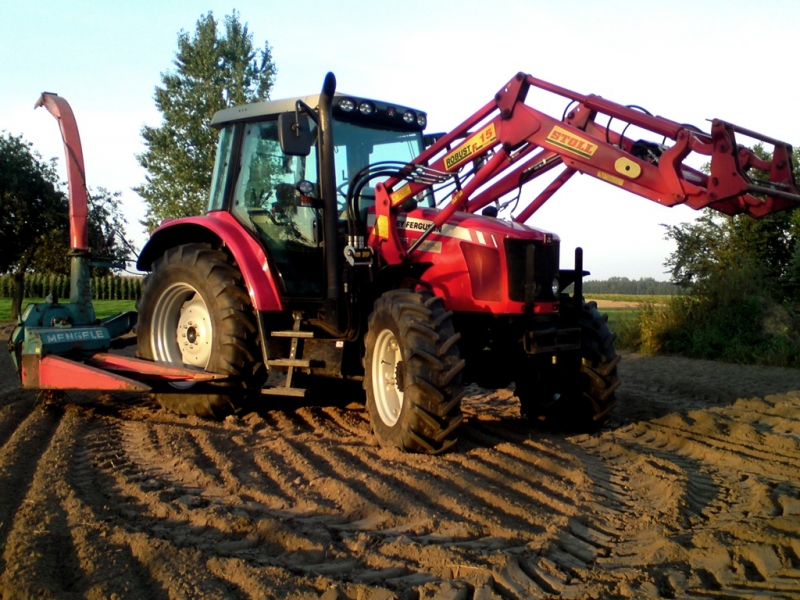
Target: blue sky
{"x": 688, "y": 61}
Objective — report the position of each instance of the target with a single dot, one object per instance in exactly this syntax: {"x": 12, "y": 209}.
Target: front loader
{"x": 343, "y": 244}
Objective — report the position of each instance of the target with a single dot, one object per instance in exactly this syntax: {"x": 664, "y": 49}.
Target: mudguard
{"x": 219, "y": 227}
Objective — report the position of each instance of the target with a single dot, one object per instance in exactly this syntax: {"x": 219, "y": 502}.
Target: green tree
{"x": 743, "y": 277}
{"x": 31, "y": 209}
{"x": 34, "y": 218}
{"x": 715, "y": 244}
{"x": 106, "y": 237}
{"x": 214, "y": 70}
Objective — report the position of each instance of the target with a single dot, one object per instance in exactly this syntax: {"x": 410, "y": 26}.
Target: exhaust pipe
{"x": 328, "y": 188}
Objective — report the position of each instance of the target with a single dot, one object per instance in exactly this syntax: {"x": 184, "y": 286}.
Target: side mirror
{"x": 429, "y": 139}
{"x": 294, "y": 134}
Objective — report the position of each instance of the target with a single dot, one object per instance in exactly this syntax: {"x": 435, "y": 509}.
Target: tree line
{"x": 639, "y": 287}
{"x": 40, "y": 285}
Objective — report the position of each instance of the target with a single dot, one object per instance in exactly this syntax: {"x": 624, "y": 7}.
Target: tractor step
{"x": 293, "y": 334}
{"x": 289, "y": 362}
{"x": 285, "y": 391}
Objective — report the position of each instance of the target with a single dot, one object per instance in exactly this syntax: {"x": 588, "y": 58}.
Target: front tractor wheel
{"x": 194, "y": 312}
{"x": 584, "y": 407}
{"x": 413, "y": 372}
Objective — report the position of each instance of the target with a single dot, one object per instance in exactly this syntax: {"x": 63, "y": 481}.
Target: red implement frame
{"x": 109, "y": 372}
{"x": 508, "y": 143}
{"x": 58, "y": 373}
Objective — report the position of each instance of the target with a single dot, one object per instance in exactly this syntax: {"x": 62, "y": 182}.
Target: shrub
{"x": 729, "y": 316}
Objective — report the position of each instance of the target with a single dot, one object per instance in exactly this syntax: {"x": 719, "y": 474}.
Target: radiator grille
{"x": 545, "y": 269}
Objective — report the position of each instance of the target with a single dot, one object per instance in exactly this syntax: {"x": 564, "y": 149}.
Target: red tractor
{"x": 342, "y": 243}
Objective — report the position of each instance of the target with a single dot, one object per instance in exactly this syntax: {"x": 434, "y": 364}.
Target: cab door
{"x": 266, "y": 201}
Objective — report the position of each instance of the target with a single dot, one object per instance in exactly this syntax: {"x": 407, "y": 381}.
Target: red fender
{"x": 219, "y": 226}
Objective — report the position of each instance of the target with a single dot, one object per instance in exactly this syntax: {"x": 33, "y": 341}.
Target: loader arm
{"x": 508, "y": 143}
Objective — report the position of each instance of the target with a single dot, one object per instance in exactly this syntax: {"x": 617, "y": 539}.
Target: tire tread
{"x": 432, "y": 398}
{"x": 238, "y": 354}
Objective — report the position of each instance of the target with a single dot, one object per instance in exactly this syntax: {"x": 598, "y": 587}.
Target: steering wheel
{"x": 342, "y": 191}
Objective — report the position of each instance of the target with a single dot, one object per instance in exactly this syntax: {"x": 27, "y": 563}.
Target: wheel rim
{"x": 182, "y": 330}
{"x": 387, "y": 377}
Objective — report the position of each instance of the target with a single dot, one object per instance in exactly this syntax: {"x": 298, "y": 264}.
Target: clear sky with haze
{"x": 688, "y": 61}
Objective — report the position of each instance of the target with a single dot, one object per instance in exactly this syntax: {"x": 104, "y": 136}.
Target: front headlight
{"x": 555, "y": 287}
{"x": 305, "y": 187}
{"x": 347, "y": 105}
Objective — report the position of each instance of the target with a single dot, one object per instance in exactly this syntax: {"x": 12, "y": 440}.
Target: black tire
{"x": 586, "y": 407}
{"x": 417, "y": 407}
{"x": 194, "y": 311}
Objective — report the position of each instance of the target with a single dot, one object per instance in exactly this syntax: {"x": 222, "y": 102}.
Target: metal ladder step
{"x": 288, "y": 362}
{"x": 284, "y": 391}
{"x": 293, "y": 334}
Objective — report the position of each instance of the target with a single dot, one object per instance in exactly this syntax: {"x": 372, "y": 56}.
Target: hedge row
{"x": 39, "y": 285}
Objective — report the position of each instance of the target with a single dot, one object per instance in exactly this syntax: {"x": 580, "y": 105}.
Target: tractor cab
{"x": 276, "y": 193}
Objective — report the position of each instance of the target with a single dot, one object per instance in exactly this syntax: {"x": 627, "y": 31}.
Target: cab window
{"x": 266, "y": 201}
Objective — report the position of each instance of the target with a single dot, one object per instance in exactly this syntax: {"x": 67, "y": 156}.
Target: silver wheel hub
{"x": 182, "y": 331}
{"x": 194, "y": 333}
{"x": 387, "y": 377}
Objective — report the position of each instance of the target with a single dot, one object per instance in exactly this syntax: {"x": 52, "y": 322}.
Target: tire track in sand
{"x": 697, "y": 499}
{"x": 356, "y": 512}
{"x": 56, "y": 543}
{"x": 19, "y": 458}
{"x": 714, "y": 502}
{"x": 126, "y": 478}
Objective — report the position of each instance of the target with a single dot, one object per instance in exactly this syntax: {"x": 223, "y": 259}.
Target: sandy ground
{"x": 691, "y": 491}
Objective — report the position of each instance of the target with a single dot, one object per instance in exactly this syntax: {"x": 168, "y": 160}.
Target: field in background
{"x": 636, "y": 299}
{"x": 102, "y": 308}
{"x": 621, "y": 309}
{"x": 616, "y": 313}
{"x": 623, "y": 314}
{"x": 618, "y": 316}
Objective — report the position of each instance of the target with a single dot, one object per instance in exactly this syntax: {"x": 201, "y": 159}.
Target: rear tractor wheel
{"x": 413, "y": 373}
{"x": 194, "y": 312}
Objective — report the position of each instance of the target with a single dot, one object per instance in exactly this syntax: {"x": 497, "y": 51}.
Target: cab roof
{"x": 256, "y": 110}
